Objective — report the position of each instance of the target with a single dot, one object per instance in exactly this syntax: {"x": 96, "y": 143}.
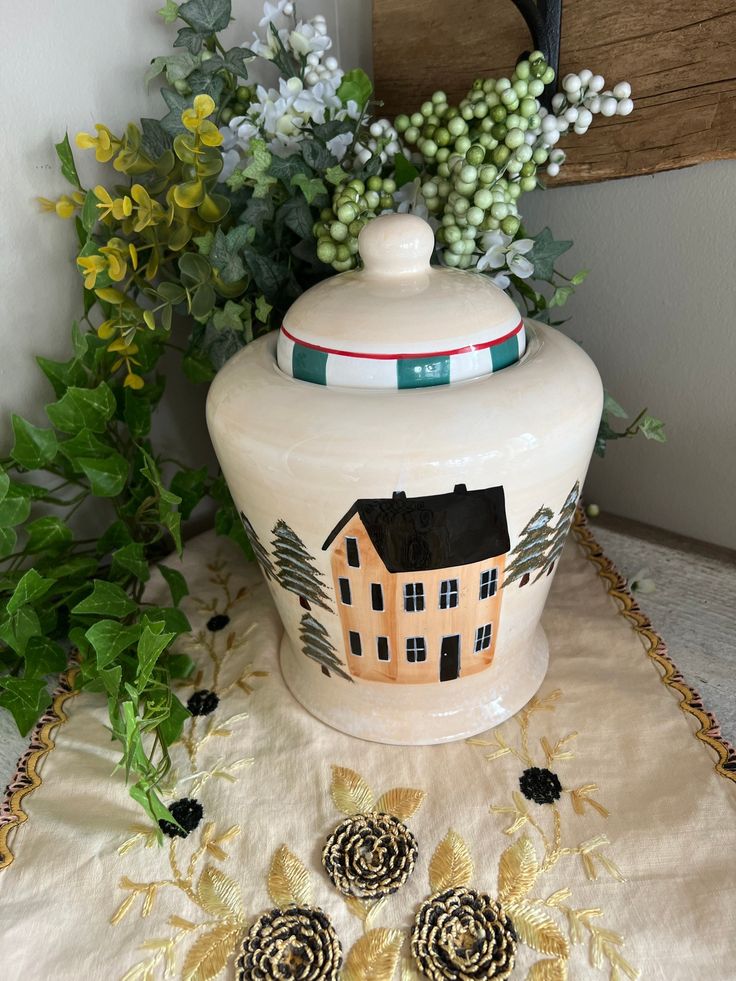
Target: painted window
{"x": 377, "y": 596}
{"x": 351, "y": 545}
{"x": 345, "y": 594}
{"x": 488, "y": 583}
{"x": 414, "y": 597}
{"x": 483, "y": 637}
{"x": 449, "y": 593}
{"x": 356, "y": 647}
{"x": 382, "y": 649}
{"x": 416, "y": 649}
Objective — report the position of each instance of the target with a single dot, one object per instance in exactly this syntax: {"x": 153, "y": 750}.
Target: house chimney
{"x": 460, "y": 489}
{"x": 399, "y": 495}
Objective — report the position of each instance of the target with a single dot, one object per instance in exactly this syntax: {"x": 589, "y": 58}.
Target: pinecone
{"x": 463, "y": 933}
{"x": 298, "y": 942}
{"x": 203, "y": 702}
{"x": 370, "y": 855}
{"x": 188, "y": 812}
{"x": 540, "y": 785}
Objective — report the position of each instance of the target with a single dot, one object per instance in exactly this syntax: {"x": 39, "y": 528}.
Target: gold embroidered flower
{"x": 298, "y": 942}
{"x": 461, "y": 933}
{"x": 370, "y": 855}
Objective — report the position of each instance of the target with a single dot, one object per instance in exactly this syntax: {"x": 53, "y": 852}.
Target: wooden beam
{"x": 680, "y": 58}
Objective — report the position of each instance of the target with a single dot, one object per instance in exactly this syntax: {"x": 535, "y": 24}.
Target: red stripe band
{"x": 398, "y": 357}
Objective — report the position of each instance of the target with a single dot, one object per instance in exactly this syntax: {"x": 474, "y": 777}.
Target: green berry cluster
{"x": 244, "y": 95}
{"x": 479, "y": 156}
{"x": 354, "y": 203}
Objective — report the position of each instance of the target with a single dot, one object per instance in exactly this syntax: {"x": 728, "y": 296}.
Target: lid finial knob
{"x": 396, "y": 245}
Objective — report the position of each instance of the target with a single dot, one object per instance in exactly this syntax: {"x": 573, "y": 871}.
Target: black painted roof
{"x": 415, "y": 534}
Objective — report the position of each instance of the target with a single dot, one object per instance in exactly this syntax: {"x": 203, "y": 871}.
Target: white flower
{"x": 272, "y": 11}
{"x": 504, "y": 254}
{"x": 230, "y": 153}
{"x": 268, "y": 49}
{"x": 339, "y": 145}
{"x": 309, "y": 37}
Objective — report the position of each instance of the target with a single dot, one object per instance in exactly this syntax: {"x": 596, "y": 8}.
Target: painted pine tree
{"x": 530, "y": 552}
{"x": 316, "y": 645}
{"x": 259, "y": 550}
{"x": 560, "y": 530}
{"x": 295, "y": 569}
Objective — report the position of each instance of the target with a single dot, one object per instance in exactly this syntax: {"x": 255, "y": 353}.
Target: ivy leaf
{"x": 335, "y": 175}
{"x": 611, "y": 406}
{"x": 256, "y": 172}
{"x": 263, "y": 309}
{"x": 33, "y": 447}
{"x": 356, "y": 86}
{"x": 228, "y": 318}
{"x": 169, "y": 11}
{"x": 19, "y": 627}
{"x": 177, "y": 67}
{"x": 173, "y": 619}
{"x": 48, "y": 534}
{"x": 106, "y": 600}
{"x": 269, "y": 274}
{"x": 30, "y": 587}
{"x": 155, "y": 141}
{"x": 405, "y": 171}
{"x": 110, "y": 638}
{"x": 169, "y": 729}
{"x": 317, "y": 156}
{"x": 44, "y": 656}
{"x": 66, "y": 158}
{"x": 190, "y": 486}
{"x": 311, "y": 187}
{"x": 652, "y": 428}
{"x": 225, "y": 259}
{"x": 193, "y": 41}
{"x": 207, "y": 16}
{"x": 295, "y": 214}
{"x": 107, "y": 475}
{"x": 83, "y": 408}
{"x": 176, "y": 582}
{"x": 84, "y": 444}
{"x": 8, "y": 538}
{"x": 153, "y": 641}
{"x": 63, "y": 374}
{"x": 284, "y": 168}
{"x": 171, "y": 123}
{"x": 137, "y": 413}
{"x": 15, "y": 507}
{"x": 167, "y": 501}
{"x": 545, "y": 252}
{"x": 130, "y": 560}
{"x": 25, "y": 699}
{"x": 258, "y": 211}
{"x": 235, "y": 61}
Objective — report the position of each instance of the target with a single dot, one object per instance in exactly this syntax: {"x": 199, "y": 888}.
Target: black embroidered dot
{"x": 188, "y": 812}
{"x": 203, "y": 702}
{"x": 540, "y": 785}
{"x": 218, "y": 622}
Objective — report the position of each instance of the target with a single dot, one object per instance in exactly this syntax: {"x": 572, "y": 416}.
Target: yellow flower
{"x": 195, "y": 120}
{"x": 116, "y": 252}
{"x": 92, "y": 266}
{"x": 119, "y": 208}
{"x": 105, "y": 144}
{"x": 149, "y": 212}
{"x": 65, "y": 206}
{"x": 106, "y": 330}
{"x": 124, "y": 347}
{"x": 133, "y": 381}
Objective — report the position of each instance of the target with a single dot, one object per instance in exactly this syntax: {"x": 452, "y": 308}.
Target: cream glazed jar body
{"x": 406, "y": 457}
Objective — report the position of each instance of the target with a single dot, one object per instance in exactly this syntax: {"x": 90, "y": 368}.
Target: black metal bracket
{"x": 544, "y": 20}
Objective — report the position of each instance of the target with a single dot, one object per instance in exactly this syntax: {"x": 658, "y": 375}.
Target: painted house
{"x": 418, "y": 584}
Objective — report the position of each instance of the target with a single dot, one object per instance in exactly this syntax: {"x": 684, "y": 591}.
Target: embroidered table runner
{"x": 593, "y": 835}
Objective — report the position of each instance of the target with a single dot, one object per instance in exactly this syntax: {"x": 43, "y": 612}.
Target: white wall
{"x": 657, "y": 316}
{"x": 656, "y": 312}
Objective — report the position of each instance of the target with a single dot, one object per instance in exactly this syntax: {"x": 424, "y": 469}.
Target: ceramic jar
{"x": 406, "y": 455}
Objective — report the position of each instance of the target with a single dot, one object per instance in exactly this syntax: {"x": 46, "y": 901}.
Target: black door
{"x": 450, "y": 658}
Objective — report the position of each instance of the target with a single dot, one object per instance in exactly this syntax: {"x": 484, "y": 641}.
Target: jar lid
{"x": 399, "y": 322}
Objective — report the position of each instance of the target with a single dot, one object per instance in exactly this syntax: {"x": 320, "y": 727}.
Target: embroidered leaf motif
{"x": 517, "y": 870}
{"x": 209, "y": 955}
{"x": 374, "y": 956}
{"x": 538, "y": 930}
{"x": 350, "y": 793}
{"x": 365, "y": 909}
{"x": 555, "y": 970}
{"x": 451, "y": 864}
{"x": 122, "y": 909}
{"x": 402, "y": 802}
{"x": 218, "y": 894}
{"x": 409, "y": 971}
{"x": 288, "y": 880}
